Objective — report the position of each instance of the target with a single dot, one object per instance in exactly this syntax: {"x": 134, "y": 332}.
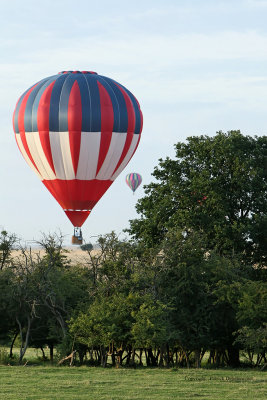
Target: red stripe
{"x": 141, "y": 123}
{"x": 77, "y": 194}
{"x": 107, "y": 122}
{"x": 77, "y": 218}
{"x": 22, "y": 109}
{"x": 75, "y": 124}
{"x": 45, "y": 142}
{"x": 137, "y": 144}
{"x": 131, "y": 125}
{"x": 43, "y": 109}
{"x": 43, "y": 123}
{"x": 126, "y": 147}
{"x": 25, "y": 145}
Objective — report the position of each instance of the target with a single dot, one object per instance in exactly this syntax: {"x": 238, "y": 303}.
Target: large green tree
{"x": 215, "y": 185}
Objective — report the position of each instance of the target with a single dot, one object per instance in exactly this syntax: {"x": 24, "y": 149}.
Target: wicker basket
{"x": 76, "y": 240}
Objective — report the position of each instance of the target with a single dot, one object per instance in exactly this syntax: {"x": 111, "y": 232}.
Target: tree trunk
{"x": 104, "y": 356}
{"x": 153, "y": 361}
{"x": 233, "y": 357}
{"x": 113, "y": 359}
{"x": 128, "y": 357}
{"x": 197, "y": 358}
{"x": 161, "y": 356}
{"x": 147, "y": 359}
{"x": 51, "y": 352}
{"x": 140, "y": 357}
{"x": 12, "y": 345}
{"x": 98, "y": 356}
{"x": 58, "y": 316}
{"x": 176, "y": 358}
{"x": 167, "y": 358}
{"x": 211, "y": 359}
{"x": 187, "y": 354}
{"x": 119, "y": 358}
{"x": 43, "y": 353}
{"x": 24, "y": 342}
{"x": 62, "y": 323}
{"x": 132, "y": 361}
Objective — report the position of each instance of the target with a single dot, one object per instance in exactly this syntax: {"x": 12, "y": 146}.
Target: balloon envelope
{"x": 133, "y": 180}
{"x": 77, "y": 131}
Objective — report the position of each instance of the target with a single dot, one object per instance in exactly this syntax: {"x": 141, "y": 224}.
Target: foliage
{"x": 7, "y": 242}
{"x": 150, "y": 328}
{"x": 217, "y": 186}
{"x": 86, "y": 246}
{"x": 191, "y": 281}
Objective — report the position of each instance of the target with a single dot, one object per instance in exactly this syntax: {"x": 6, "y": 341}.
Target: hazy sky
{"x": 196, "y": 67}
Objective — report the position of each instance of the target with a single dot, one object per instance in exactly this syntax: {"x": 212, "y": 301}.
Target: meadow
{"x": 49, "y": 382}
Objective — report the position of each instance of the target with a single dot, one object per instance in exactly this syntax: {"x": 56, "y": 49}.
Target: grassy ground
{"x": 49, "y": 383}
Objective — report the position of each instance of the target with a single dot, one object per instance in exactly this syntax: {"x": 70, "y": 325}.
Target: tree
{"x": 87, "y": 247}
{"x": 7, "y": 241}
{"x": 151, "y": 329}
{"x": 215, "y": 185}
{"x": 40, "y": 293}
{"x": 252, "y": 319}
{"x": 8, "y": 325}
{"x": 25, "y": 298}
{"x": 61, "y": 287}
{"x": 105, "y": 325}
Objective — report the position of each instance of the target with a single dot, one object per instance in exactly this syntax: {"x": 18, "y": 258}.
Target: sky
{"x": 196, "y": 67}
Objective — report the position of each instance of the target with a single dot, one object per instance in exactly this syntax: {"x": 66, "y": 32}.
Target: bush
{"x": 4, "y": 357}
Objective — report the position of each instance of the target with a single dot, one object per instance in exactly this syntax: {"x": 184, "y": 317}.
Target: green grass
{"x": 49, "y": 383}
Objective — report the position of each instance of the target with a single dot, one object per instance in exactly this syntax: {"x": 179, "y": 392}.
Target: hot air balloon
{"x": 133, "y": 180}
{"x": 77, "y": 130}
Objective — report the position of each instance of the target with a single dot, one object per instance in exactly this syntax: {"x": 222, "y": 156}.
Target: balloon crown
{"x": 78, "y": 72}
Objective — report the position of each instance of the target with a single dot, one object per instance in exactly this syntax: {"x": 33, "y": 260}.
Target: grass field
{"x": 90, "y": 383}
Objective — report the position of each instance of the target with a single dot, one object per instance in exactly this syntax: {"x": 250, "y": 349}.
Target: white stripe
{"x": 127, "y": 157}
{"x": 38, "y": 155}
{"x": 25, "y": 155}
{"x": 60, "y": 148}
{"x": 89, "y": 152}
{"x": 113, "y": 155}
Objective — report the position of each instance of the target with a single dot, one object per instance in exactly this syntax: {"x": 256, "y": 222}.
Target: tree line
{"x": 189, "y": 280}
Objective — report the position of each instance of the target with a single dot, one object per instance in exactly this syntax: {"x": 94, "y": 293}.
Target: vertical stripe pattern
{"x": 133, "y": 180}
{"x": 77, "y": 131}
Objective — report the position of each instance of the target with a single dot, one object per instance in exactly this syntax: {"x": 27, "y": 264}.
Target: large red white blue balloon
{"x": 77, "y": 131}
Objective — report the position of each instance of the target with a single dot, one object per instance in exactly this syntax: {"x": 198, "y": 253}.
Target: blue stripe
{"x": 118, "y": 103}
{"x": 64, "y": 102}
{"x": 86, "y": 104}
{"x": 28, "y": 115}
{"x": 16, "y": 124}
{"x": 37, "y": 101}
{"x": 54, "y": 103}
{"x": 137, "y": 127}
{"x": 95, "y": 121}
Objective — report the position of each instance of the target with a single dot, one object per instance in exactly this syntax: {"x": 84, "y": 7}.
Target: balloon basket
{"x": 77, "y": 237}
{"x": 76, "y": 240}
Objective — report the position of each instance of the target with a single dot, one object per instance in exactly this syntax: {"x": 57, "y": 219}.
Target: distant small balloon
{"x": 133, "y": 180}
